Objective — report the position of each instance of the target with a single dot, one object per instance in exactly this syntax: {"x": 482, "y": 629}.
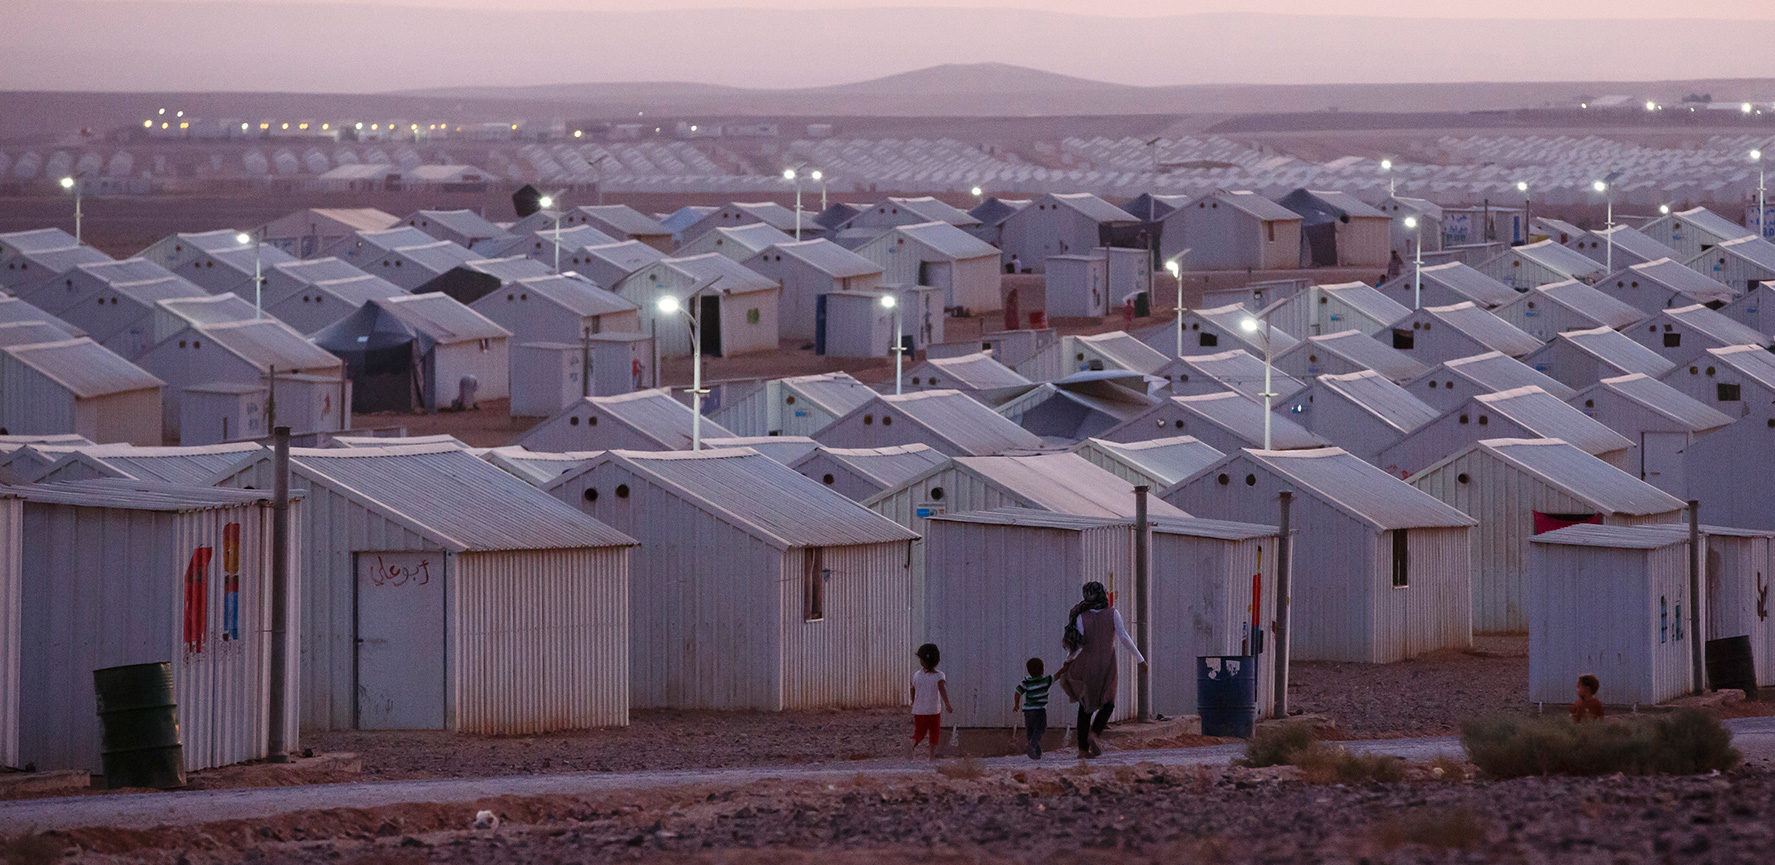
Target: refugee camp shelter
{"x": 1739, "y": 264}
{"x": 1524, "y": 267}
{"x": 1232, "y": 230}
{"x": 861, "y": 473}
{"x": 1754, "y": 308}
{"x": 744, "y": 213}
{"x": 77, "y": 386}
{"x": 1660, "y": 419}
{"x": 23, "y": 458}
{"x": 416, "y": 268}
{"x": 1346, "y": 352}
{"x": 1737, "y": 566}
{"x": 784, "y": 449}
{"x": 1157, "y": 463}
{"x": 461, "y": 227}
{"x": 1209, "y": 331}
{"x": 459, "y": 344}
{"x": 1225, "y": 421}
{"x": 964, "y": 268}
{"x": 1061, "y": 224}
{"x": 795, "y": 406}
{"x": 1361, "y": 412}
{"x": 1000, "y": 578}
{"x": 736, "y": 308}
{"x": 1236, "y": 370}
{"x": 1524, "y": 412}
{"x": 186, "y": 466}
{"x": 1076, "y": 286}
{"x": 1445, "y": 285}
{"x": 784, "y": 594}
{"x": 1520, "y": 488}
{"x": 1116, "y": 350}
{"x": 114, "y": 572}
{"x": 611, "y": 263}
{"x": 738, "y": 242}
{"x": 16, "y": 311}
{"x": 643, "y": 420}
{"x": 1332, "y": 308}
{"x": 1662, "y": 284}
{"x": 808, "y": 271}
{"x": 892, "y": 211}
{"x": 1580, "y": 358}
{"x": 1434, "y": 334}
{"x": 1739, "y": 380}
{"x": 623, "y": 222}
{"x": 557, "y": 309}
{"x": 1621, "y": 245}
{"x": 1681, "y": 334}
{"x": 1545, "y": 311}
{"x": 978, "y": 375}
{"x": 1634, "y": 578}
{"x": 1339, "y": 230}
{"x": 1388, "y": 577}
{"x": 1693, "y": 231}
{"x": 536, "y": 468}
{"x": 947, "y": 420}
{"x": 1080, "y": 405}
{"x": 1453, "y": 382}
{"x": 305, "y": 233}
{"x": 442, "y": 593}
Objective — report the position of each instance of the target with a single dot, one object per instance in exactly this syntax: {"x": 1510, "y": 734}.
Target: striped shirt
{"x": 1035, "y": 691}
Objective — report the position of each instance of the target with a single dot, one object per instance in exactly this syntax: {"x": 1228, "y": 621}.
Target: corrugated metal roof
{"x": 784, "y": 449}
{"x": 130, "y": 270}
{"x": 1229, "y": 319}
{"x": 625, "y": 219}
{"x": 245, "y": 259}
{"x": 1660, "y": 398}
{"x": 464, "y": 222}
{"x": 1379, "y": 396}
{"x": 1194, "y": 527}
{"x": 957, "y": 418}
{"x": 1469, "y": 283}
{"x": 1751, "y": 361}
{"x": 1124, "y": 350}
{"x": 1713, "y": 223}
{"x": 1548, "y": 417}
{"x": 30, "y": 332}
{"x": 579, "y": 296}
{"x": 887, "y": 466}
{"x": 1633, "y": 242}
{"x": 510, "y": 269}
{"x": 1584, "y": 300}
{"x": 977, "y": 371}
{"x": 442, "y": 317}
{"x": 1485, "y": 328}
{"x": 933, "y": 210}
{"x": 268, "y": 342}
{"x": 356, "y": 218}
{"x": 13, "y": 310}
{"x": 1243, "y": 417}
{"x": 947, "y": 240}
{"x": 38, "y": 239}
{"x": 359, "y": 290}
{"x": 776, "y": 214}
{"x": 1678, "y": 277}
{"x": 1253, "y": 204}
{"x": 399, "y": 237}
{"x": 136, "y": 495}
{"x": 84, "y": 367}
{"x": 628, "y": 256}
{"x": 825, "y": 256}
{"x": 731, "y": 275}
{"x": 537, "y": 468}
{"x": 209, "y": 309}
{"x": 317, "y": 270}
{"x": 1092, "y": 207}
{"x": 1168, "y": 460}
{"x": 1558, "y": 226}
{"x": 1716, "y": 325}
{"x": 1617, "y": 350}
{"x": 462, "y": 500}
{"x": 438, "y": 256}
{"x": 1496, "y": 372}
{"x": 753, "y": 237}
{"x": 1358, "y": 488}
{"x": 1064, "y": 482}
{"x": 1364, "y": 298}
{"x": 1617, "y": 537}
{"x": 64, "y": 439}
{"x": 65, "y": 259}
{"x": 836, "y": 393}
{"x": 1239, "y": 370}
{"x": 1356, "y": 347}
{"x": 195, "y": 466}
{"x": 1578, "y": 474}
{"x": 746, "y": 487}
{"x": 655, "y": 414}
{"x": 375, "y": 441}
{"x": 1563, "y": 260}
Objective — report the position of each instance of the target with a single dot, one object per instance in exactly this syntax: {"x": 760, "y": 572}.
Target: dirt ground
{"x": 1426, "y": 696}
{"x": 966, "y": 814}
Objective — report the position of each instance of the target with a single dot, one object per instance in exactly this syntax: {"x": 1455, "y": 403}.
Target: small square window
{"x": 1727, "y": 392}
{"x": 1673, "y": 340}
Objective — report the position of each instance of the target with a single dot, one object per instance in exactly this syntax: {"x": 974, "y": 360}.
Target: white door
{"x": 1661, "y": 461}
{"x": 400, "y": 641}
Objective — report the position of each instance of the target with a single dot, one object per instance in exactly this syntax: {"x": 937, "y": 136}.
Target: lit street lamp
{"x": 72, "y": 184}
{"x": 1387, "y": 166}
{"x": 820, "y": 178}
{"x": 547, "y": 202}
{"x": 1252, "y": 325}
{"x": 243, "y": 239}
{"x": 1528, "y": 214}
{"x": 1603, "y": 187}
{"x": 1417, "y": 274}
{"x": 1757, "y": 157}
{"x": 977, "y": 191}
{"x": 1174, "y": 266}
{"x": 670, "y": 305}
{"x": 790, "y": 175}
{"x": 888, "y": 301}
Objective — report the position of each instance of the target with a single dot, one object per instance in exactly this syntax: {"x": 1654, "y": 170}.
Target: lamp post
{"x": 1174, "y": 266}
{"x": 243, "y": 239}
{"x": 977, "y": 191}
{"x": 888, "y": 301}
{"x": 72, "y": 184}
{"x": 1528, "y": 213}
{"x": 790, "y": 175}
{"x": 820, "y": 178}
{"x": 1387, "y": 166}
{"x": 1663, "y": 210}
{"x": 1252, "y": 325}
{"x": 1755, "y": 156}
{"x": 547, "y": 202}
{"x": 1417, "y": 273}
{"x": 670, "y": 305}
{"x": 1608, "y": 192}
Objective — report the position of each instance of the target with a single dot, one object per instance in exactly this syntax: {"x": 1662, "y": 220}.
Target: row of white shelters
{"x": 1388, "y": 575}
{"x": 754, "y": 587}
{"x": 1225, "y": 421}
{"x": 76, "y": 386}
{"x": 795, "y": 406}
{"x": 1157, "y": 463}
{"x": 1454, "y": 382}
{"x": 963, "y": 268}
{"x": 1661, "y": 284}
{"x": 1519, "y": 488}
{"x": 108, "y": 573}
{"x": 1620, "y": 245}
{"x": 1445, "y": 285}
{"x": 643, "y": 420}
{"x": 1346, "y": 352}
{"x": 1002, "y": 581}
{"x": 1526, "y": 412}
{"x": 1546, "y": 310}
{"x": 1580, "y": 358}
{"x": 862, "y": 473}
{"x": 443, "y": 593}
{"x": 947, "y": 420}
{"x": 188, "y": 466}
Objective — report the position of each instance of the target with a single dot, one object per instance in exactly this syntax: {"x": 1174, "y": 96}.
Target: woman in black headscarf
{"x": 1093, "y": 629}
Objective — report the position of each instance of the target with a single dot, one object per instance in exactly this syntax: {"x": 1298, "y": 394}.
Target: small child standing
{"x": 1032, "y": 698}
{"x": 930, "y": 698}
{"x": 1587, "y": 707}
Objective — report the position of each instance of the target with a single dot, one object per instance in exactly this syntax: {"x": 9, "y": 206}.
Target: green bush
{"x": 1687, "y": 742}
{"x": 1278, "y": 745}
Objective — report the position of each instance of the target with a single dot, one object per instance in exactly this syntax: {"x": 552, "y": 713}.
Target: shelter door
{"x": 400, "y": 641}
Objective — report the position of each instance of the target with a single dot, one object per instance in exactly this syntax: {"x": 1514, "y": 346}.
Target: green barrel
{"x": 139, "y": 726}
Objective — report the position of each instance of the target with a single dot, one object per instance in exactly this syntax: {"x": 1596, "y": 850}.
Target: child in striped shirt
{"x": 1032, "y": 699}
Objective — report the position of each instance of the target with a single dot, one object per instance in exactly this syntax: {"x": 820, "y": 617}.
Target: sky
{"x": 1565, "y": 9}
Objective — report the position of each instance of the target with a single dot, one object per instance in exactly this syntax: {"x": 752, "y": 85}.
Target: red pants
{"x": 923, "y": 724}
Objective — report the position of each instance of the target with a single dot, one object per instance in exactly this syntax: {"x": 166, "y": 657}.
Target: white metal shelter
{"x": 249, "y": 352}
{"x": 1060, "y": 224}
{"x": 1345, "y": 352}
{"x": 1545, "y": 311}
{"x": 1361, "y": 412}
{"x": 947, "y": 420}
{"x": 1435, "y": 334}
{"x": 1157, "y": 463}
{"x": 1580, "y": 358}
{"x": 79, "y": 387}
{"x": 1660, "y": 419}
{"x": 807, "y": 271}
{"x": 643, "y": 420}
{"x": 1524, "y": 412}
{"x": 976, "y": 375}
{"x": 465, "y": 344}
{"x": 1453, "y": 382}
{"x": 736, "y": 312}
{"x": 1235, "y": 370}
{"x": 795, "y": 406}
{"x": 1232, "y": 230}
{"x": 1661, "y": 284}
{"x": 1524, "y": 267}
{"x": 1681, "y": 334}
{"x": 1738, "y": 264}
{"x": 1622, "y": 244}
{"x": 964, "y": 268}
{"x": 1693, "y": 231}
{"x": 861, "y": 473}
{"x": 1225, "y": 421}
{"x": 1325, "y": 309}
{"x": 1446, "y": 285}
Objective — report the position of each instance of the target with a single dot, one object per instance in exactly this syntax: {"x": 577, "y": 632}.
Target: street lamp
{"x": 1757, "y": 157}
{"x": 790, "y": 175}
{"x": 1417, "y": 274}
{"x": 670, "y": 305}
{"x": 72, "y": 184}
{"x": 1252, "y": 325}
{"x": 1174, "y": 266}
{"x": 820, "y": 178}
{"x": 243, "y": 239}
{"x": 1663, "y": 210}
{"x": 1528, "y": 217}
{"x": 977, "y": 191}
{"x": 1387, "y": 166}
{"x": 888, "y": 301}
{"x": 547, "y": 202}
{"x": 1603, "y": 187}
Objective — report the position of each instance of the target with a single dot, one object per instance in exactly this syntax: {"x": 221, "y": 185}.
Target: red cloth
{"x": 922, "y": 724}
{"x": 1548, "y": 522}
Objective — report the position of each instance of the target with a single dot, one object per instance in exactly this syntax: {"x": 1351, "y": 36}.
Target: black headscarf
{"x": 1096, "y": 598}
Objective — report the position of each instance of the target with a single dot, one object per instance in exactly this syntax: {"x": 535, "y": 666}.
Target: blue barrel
{"x": 1226, "y": 694}
{"x": 139, "y": 726}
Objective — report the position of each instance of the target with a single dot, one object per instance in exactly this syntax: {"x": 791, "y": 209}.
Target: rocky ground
{"x": 1426, "y": 696}
{"x": 962, "y": 814}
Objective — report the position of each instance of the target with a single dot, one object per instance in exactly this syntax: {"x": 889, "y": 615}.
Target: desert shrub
{"x": 964, "y": 769}
{"x": 34, "y": 849}
{"x": 1446, "y": 768}
{"x": 1326, "y": 764}
{"x": 1440, "y": 828}
{"x": 1277, "y": 745}
{"x": 1682, "y": 743}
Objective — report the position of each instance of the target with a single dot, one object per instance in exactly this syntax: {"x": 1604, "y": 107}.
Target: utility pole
{"x": 276, "y": 746}
{"x": 1143, "y": 680}
{"x": 1279, "y": 633}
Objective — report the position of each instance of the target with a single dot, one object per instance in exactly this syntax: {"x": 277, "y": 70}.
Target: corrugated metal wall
{"x": 858, "y": 654}
{"x": 1202, "y": 606}
{"x": 1738, "y": 573}
{"x": 845, "y": 481}
{"x": 11, "y": 535}
{"x": 1504, "y": 500}
{"x": 32, "y": 404}
{"x": 541, "y": 642}
{"x": 1002, "y": 598}
{"x": 1612, "y": 613}
{"x": 960, "y": 493}
{"x": 1435, "y": 611}
{"x": 132, "y": 417}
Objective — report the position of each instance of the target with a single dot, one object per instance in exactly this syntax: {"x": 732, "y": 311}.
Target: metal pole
{"x": 77, "y": 213}
{"x": 1179, "y": 319}
{"x": 797, "y": 208}
{"x": 1268, "y": 396}
{"x": 1142, "y": 596}
{"x": 258, "y": 278}
{"x": 1760, "y": 211}
{"x": 1609, "y": 257}
{"x": 1279, "y": 632}
{"x": 1697, "y": 659}
{"x": 1417, "y": 275}
{"x": 696, "y": 381}
{"x": 557, "y": 240}
{"x": 899, "y": 352}
{"x": 277, "y": 745}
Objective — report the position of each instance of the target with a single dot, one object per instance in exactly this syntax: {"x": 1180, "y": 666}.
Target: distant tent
{"x": 385, "y": 358}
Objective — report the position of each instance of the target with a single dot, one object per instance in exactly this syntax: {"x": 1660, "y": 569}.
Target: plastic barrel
{"x": 1731, "y": 665}
{"x": 139, "y": 726}
{"x": 1226, "y": 694}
